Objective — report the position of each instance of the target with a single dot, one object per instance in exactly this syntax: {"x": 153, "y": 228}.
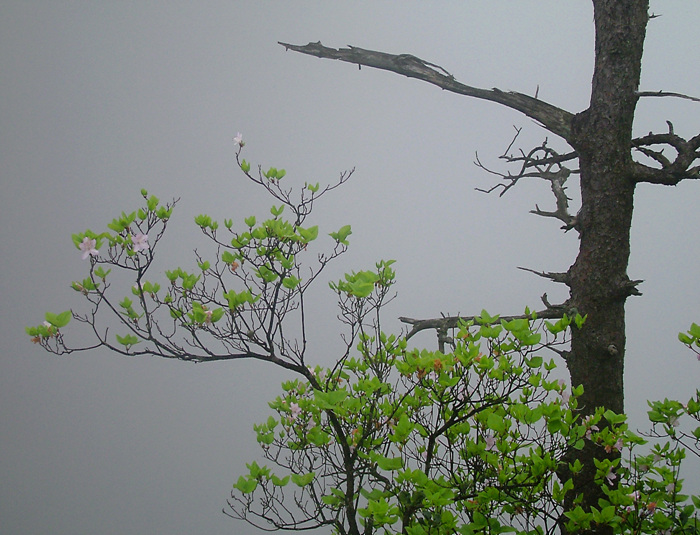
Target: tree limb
{"x": 451, "y": 322}
{"x": 672, "y": 170}
{"x": 541, "y": 162}
{"x": 554, "y": 119}
{"x": 666, "y": 94}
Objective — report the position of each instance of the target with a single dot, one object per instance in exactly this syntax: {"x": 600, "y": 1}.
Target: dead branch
{"x": 666, "y": 94}
{"x": 554, "y": 119}
{"x": 441, "y": 325}
{"x": 541, "y": 162}
{"x": 671, "y": 170}
{"x": 553, "y": 276}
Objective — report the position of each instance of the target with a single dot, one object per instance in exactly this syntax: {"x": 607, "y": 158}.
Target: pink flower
{"x": 490, "y": 442}
{"x": 140, "y": 242}
{"x": 295, "y": 410}
{"x": 238, "y": 140}
{"x": 610, "y": 476}
{"x": 590, "y": 430}
{"x": 87, "y": 246}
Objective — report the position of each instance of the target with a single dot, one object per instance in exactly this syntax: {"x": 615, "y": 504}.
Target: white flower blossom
{"x": 295, "y": 410}
{"x": 610, "y": 476}
{"x": 87, "y": 246}
{"x": 140, "y": 242}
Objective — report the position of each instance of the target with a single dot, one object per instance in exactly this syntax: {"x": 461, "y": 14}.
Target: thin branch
{"x": 666, "y": 94}
{"x": 555, "y": 277}
{"x": 541, "y": 162}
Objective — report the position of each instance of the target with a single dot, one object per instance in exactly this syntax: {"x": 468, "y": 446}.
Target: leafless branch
{"x": 555, "y": 277}
{"x": 541, "y": 162}
{"x": 554, "y": 119}
{"x": 666, "y": 94}
{"x": 451, "y": 322}
{"x": 684, "y": 166}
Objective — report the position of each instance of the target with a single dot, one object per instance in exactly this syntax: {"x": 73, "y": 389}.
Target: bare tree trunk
{"x": 602, "y": 137}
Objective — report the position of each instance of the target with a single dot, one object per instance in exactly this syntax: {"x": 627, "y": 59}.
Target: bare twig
{"x": 666, "y": 94}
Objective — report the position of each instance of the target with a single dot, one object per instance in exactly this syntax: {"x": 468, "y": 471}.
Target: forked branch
{"x": 541, "y": 162}
{"x": 684, "y": 166}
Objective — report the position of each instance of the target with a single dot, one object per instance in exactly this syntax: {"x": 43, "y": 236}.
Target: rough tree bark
{"x": 601, "y": 140}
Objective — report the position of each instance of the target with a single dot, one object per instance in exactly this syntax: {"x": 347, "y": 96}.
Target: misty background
{"x": 101, "y": 99}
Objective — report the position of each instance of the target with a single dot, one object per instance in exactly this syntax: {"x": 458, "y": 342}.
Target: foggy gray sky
{"x": 100, "y": 99}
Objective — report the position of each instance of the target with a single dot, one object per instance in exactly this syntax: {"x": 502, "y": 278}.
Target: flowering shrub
{"x": 390, "y": 438}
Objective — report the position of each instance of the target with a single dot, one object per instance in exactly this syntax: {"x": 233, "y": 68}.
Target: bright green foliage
{"x": 433, "y": 443}
{"x": 58, "y": 320}
{"x": 389, "y": 438}
{"x": 342, "y": 235}
{"x": 202, "y": 315}
{"x": 127, "y": 341}
{"x": 692, "y": 338}
{"x": 50, "y": 328}
{"x": 362, "y": 284}
{"x": 404, "y": 440}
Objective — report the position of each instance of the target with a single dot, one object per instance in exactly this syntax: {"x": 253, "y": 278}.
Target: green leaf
{"x": 496, "y": 423}
{"x": 128, "y": 340}
{"x": 152, "y": 202}
{"x": 277, "y": 482}
{"x": 250, "y": 221}
{"x": 490, "y": 332}
{"x": 245, "y": 166}
{"x": 318, "y": 437}
{"x": 202, "y": 220}
{"x": 695, "y": 330}
{"x": 342, "y": 234}
{"x": 309, "y": 234}
{"x": 534, "y": 362}
{"x": 485, "y": 318}
{"x": 290, "y": 282}
{"x": 301, "y": 480}
{"x": 101, "y": 273}
{"x": 386, "y": 463}
{"x": 246, "y": 486}
{"x": 58, "y": 320}
{"x": 329, "y": 400}
{"x": 266, "y": 274}
{"x": 360, "y": 289}
{"x": 685, "y": 339}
